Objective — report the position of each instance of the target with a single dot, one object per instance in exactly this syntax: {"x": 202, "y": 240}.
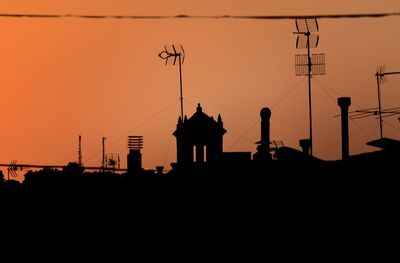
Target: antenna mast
{"x": 382, "y": 113}
{"x": 380, "y": 74}
{"x": 103, "y": 162}
{"x": 80, "y": 151}
{"x": 179, "y": 53}
{"x": 305, "y": 64}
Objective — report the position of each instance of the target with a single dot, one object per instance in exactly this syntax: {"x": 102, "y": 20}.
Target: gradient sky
{"x": 65, "y": 77}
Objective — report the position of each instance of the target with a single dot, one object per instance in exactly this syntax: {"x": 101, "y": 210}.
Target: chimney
{"x": 344, "y": 103}
{"x": 305, "y": 146}
{"x": 135, "y": 143}
{"x": 265, "y": 114}
{"x": 263, "y": 150}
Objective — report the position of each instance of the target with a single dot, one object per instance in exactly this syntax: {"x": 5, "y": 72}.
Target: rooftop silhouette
{"x": 73, "y": 196}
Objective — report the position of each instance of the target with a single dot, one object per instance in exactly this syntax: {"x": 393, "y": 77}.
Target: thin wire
{"x": 326, "y": 86}
{"x": 288, "y": 93}
{"x": 360, "y": 129}
{"x": 327, "y": 93}
{"x": 392, "y": 126}
{"x": 273, "y": 107}
{"x": 332, "y": 16}
{"x": 363, "y": 145}
{"x": 334, "y": 101}
{"x": 351, "y": 135}
{"x": 243, "y": 135}
{"x": 327, "y": 147}
{"x": 191, "y": 103}
{"x": 334, "y": 91}
{"x": 240, "y": 135}
{"x": 137, "y": 127}
{"x": 167, "y": 153}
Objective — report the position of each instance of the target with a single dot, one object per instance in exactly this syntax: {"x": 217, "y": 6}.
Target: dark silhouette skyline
{"x": 52, "y": 74}
{"x": 204, "y": 182}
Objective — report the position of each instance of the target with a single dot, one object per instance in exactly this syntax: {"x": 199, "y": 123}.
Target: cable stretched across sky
{"x": 260, "y": 17}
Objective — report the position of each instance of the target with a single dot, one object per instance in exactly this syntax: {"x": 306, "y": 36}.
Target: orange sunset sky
{"x": 61, "y": 77}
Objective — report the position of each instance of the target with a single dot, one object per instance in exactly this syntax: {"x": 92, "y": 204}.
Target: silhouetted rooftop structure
{"x": 200, "y": 133}
{"x": 385, "y": 143}
{"x": 263, "y": 149}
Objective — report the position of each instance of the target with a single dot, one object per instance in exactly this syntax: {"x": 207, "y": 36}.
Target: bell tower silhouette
{"x": 199, "y": 139}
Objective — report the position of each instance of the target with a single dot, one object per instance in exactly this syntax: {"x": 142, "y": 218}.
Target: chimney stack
{"x": 344, "y": 103}
{"x": 263, "y": 150}
{"x": 135, "y": 144}
{"x": 305, "y": 145}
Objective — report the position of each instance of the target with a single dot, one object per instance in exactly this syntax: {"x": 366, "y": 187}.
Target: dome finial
{"x": 219, "y": 118}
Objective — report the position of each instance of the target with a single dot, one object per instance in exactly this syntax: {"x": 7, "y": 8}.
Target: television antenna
{"x": 103, "y": 161}
{"x": 380, "y": 77}
{"x": 381, "y": 113}
{"x": 177, "y": 53}
{"x": 12, "y": 169}
{"x": 113, "y": 161}
{"x": 307, "y": 64}
{"x": 80, "y": 150}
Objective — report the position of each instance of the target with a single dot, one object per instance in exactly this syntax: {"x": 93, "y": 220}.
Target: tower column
{"x": 263, "y": 150}
{"x": 344, "y": 103}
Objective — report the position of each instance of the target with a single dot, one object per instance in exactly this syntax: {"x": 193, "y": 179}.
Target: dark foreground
{"x": 216, "y": 195}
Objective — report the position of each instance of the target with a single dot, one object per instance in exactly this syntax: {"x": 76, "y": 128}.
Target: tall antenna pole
{"x": 307, "y": 64}
{"x": 379, "y": 103}
{"x": 309, "y": 91}
{"x": 380, "y": 74}
{"x": 103, "y": 162}
{"x": 180, "y": 54}
{"x": 382, "y": 113}
{"x": 80, "y": 151}
{"x": 180, "y": 82}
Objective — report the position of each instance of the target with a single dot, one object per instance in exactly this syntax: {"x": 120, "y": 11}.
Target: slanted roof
{"x": 385, "y": 143}
{"x": 290, "y": 154}
{"x": 200, "y": 120}
{"x": 200, "y": 124}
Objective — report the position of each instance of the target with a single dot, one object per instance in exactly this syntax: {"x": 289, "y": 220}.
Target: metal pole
{"x": 180, "y": 82}
{"x": 379, "y": 104}
{"x": 104, "y": 153}
{"x": 309, "y": 91}
{"x": 80, "y": 151}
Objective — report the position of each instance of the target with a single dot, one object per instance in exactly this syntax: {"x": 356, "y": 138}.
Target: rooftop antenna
{"x": 305, "y": 64}
{"x": 112, "y": 162}
{"x": 382, "y": 113}
{"x": 12, "y": 169}
{"x": 80, "y": 151}
{"x": 103, "y": 162}
{"x": 175, "y": 52}
{"x": 380, "y": 77}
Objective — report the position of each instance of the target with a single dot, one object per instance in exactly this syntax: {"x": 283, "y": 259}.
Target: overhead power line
{"x": 271, "y": 17}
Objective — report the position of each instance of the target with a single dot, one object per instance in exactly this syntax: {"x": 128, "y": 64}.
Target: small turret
{"x": 219, "y": 118}
{"x": 199, "y": 109}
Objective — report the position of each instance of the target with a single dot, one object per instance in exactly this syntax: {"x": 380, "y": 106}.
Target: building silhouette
{"x": 199, "y": 139}
{"x": 263, "y": 149}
